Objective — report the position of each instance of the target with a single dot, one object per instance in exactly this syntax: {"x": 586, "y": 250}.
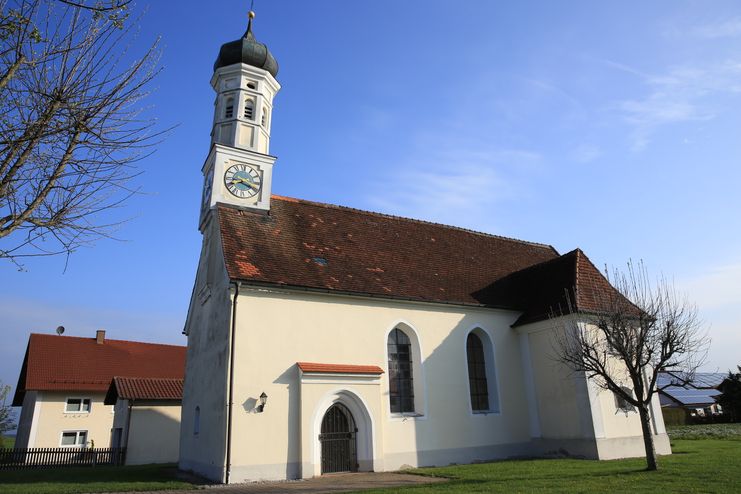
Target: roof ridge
{"x": 92, "y": 338}
{"x": 412, "y": 220}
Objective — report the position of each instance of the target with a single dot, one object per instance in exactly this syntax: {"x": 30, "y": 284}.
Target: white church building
{"x": 327, "y": 339}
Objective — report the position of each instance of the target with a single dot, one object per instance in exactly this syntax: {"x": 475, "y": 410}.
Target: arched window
{"x": 229, "y": 108}
{"x": 477, "y": 383}
{"x": 264, "y": 118}
{"x": 401, "y": 381}
{"x": 249, "y": 109}
{"x": 197, "y": 421}
{"x": 621, "y": 403}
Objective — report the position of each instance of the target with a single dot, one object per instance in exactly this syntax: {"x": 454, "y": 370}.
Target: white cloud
{"x": 586, "y": 153}
{"x": 680, "y": 94}
{"x": 717, "y": 293}
{"x": 454, "y": 186}
{"x": 722, "y": 29}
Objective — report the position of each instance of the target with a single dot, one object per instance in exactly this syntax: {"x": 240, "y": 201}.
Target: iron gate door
{"x": 339, "y": 451}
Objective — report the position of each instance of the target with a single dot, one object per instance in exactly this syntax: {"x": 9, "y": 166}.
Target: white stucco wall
{"x": 46, "y": 419}
{"x": 154, "y": 434}
{"x": 277, "y": 329}
{"x": 205, "y": 385}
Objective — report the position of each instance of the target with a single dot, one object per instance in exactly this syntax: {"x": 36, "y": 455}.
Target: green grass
{"x": 8, "y": 441}
{"x": 88, "y": 479}
{"x": 705, "y": 466}
{"x": 708, "y": 431}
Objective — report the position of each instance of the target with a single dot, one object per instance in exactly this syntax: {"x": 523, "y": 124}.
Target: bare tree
{"x": 71, "y": 122}
{"x": 7, "y": 421}
{"x": 642, "y": 329}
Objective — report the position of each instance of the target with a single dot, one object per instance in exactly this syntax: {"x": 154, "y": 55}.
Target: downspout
{"x": 128, "y": 430}
{"x": 230, "y": 404}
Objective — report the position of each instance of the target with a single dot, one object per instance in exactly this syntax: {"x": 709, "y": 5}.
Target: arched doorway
{"x": 338, "y": 441}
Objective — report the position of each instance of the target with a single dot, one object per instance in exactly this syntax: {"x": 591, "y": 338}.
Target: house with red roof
{"x": 64, "y": 380}
{"x": 326, "y": 339}
{"x": 146, "y": 418}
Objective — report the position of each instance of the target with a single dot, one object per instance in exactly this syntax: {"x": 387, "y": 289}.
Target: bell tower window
{"x": 264, "y": 118}
{"x": 229, "y": 108}
{"x": 249, "y": 109}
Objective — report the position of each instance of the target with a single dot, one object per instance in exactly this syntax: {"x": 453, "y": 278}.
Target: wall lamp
{"x": 263, "y": 402}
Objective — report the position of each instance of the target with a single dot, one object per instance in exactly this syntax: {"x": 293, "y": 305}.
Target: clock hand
{"x": 236, "y": 180}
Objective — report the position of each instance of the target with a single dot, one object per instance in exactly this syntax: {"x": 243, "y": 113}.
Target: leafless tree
{"x": 641, "y": 330}
{"x": 72, "y": 124}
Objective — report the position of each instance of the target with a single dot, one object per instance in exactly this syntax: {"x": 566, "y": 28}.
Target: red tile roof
{"x": 320, "y": 246}
{"x": 144, "y": 388}
{"x": 570, "y": 281}
{"x": 68, "y": 363}
{"x": 338, "y": 368}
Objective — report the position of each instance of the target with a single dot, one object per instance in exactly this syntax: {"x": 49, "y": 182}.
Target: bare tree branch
{"x": 643, "y": 329}
{"x": 71, "y": 124}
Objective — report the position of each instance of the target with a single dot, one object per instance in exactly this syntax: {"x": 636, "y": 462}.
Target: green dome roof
{"x": 247, "y": 50}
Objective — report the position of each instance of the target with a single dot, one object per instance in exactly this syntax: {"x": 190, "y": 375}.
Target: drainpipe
{"x": 230, "y": 404}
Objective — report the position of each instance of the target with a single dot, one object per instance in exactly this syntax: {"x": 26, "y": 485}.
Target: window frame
{"x": 621, "y": 404}
{"x": 82, "y": 401}
{"x": 404, "y": 394}
{"x": 78, "y": 433}
{"x": 490, "y": 368}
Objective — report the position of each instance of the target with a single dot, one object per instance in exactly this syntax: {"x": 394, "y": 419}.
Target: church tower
{"x": 239, "y": 168}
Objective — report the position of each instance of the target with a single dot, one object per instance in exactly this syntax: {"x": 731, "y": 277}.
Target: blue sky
{"x": 613, "y": 127}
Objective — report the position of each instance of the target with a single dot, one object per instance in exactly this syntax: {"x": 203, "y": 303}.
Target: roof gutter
{"x": 347, "y": 293}
{"x": 230, "y": 403}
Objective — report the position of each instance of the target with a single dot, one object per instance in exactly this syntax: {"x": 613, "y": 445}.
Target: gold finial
{"x": 251, "y": 14}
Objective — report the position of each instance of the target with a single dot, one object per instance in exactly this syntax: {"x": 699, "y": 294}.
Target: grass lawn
{"x": 710, "y": 465}
{"x": 8, "y": 441}
{"x": 88, "y": 479}
{"x": 708, "y": 431}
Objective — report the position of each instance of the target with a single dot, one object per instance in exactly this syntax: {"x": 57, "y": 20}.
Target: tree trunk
{"x": 648, "y": 438}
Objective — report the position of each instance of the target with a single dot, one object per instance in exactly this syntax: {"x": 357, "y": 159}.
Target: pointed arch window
{"x": 229, "y": 108}
{"x": 477, "y": 382}
{"x": 401, "y": 380}
{"x": 249, "y": 109}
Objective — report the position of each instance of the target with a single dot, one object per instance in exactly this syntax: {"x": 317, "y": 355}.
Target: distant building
{"x": 146, "y": 418}
{"x": 64, "y": 380}
{"x": 698, "y": 398}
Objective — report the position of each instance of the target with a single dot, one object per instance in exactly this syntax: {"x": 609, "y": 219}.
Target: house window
{"x": 249, "y": 109}
{"x": 197, "y": 421}
{"x": 229, "y": 110}
{"x": 477, "y": 383}
{"x": 621, "y": 403}
{"x": 77, "y": 405}
{"x": 401, "y": 383}
{"x": 73, "y": 438}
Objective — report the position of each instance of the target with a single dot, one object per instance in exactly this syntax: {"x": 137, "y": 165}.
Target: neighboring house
{"x": 325, "y": 339}
{"x": 698, "y": 398}
{"x": 147, "y": 418}
{"x": 64, "y": 379}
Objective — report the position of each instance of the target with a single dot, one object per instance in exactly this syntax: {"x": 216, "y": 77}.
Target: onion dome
{"x": 247, "y": 50}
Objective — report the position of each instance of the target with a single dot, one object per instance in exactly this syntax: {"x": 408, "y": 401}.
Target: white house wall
{"x": 154, "y": 434}
{"x": 47, "y": 419}
{"x": 205, "y": 386}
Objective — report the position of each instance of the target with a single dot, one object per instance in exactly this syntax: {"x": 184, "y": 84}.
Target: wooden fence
{"x": 12, "y": 459}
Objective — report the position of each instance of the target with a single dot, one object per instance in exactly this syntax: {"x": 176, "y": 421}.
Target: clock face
{"x": 242, "y": 181}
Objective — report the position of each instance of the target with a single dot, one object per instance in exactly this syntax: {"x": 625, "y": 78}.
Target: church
{"x": 327, "y": 339}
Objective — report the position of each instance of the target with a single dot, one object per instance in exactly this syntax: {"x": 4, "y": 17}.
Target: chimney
{"x": 100, "y": 336}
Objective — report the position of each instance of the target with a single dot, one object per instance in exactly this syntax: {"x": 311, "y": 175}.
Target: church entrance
{"x": 337, "y": 438}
